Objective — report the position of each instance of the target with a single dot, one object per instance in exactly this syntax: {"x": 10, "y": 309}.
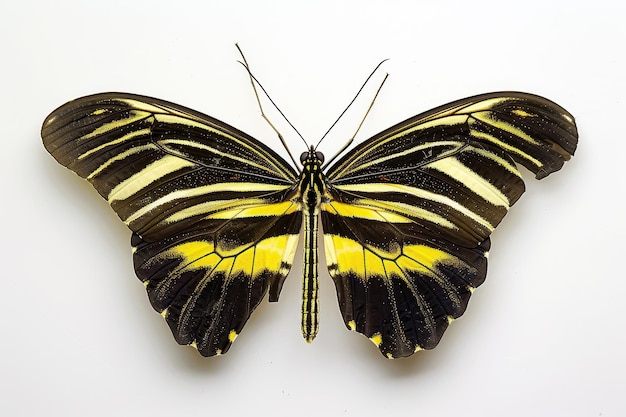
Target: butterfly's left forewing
{"x": 408, "y": 213}
{"x": 211, "y": 208}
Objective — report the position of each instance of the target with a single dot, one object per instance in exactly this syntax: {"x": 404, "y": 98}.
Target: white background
{"x": 543, "y": 337}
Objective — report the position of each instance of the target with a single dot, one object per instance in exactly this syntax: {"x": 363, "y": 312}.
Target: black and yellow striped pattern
{"x": 211, "y": 209}
{"x": 216, "y": 215}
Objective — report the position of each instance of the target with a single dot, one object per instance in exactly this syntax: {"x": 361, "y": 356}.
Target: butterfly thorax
{"x": 312, "y": 187}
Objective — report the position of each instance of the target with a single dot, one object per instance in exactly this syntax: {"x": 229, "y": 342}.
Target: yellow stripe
{"x": 399, "y": 188}
{"x": 522, "y": 113}
{"x": 452, "y": 120}
{"x": 232, "y": 336}
{"x": 172, "y": 118}
{"x": 153, "y": 172}
{"x": 423, "y": 258}
{"x": 405, "y": 210}
{"x": 120, "y": 157}
{"x": 133, "y": 116}
{"x": 244, "y": 262}
{"x": 377, "y": 339}
{"x": 426, "y": 147}
{"x": 497, "y": 159}
{"x": 488, "y": 118}
{"x": 175, "y": 119}
{"x": 255, "y": 208}
{"x": 505, "y": 146}
{"x": 142, "y": 105}
{"x": 195, "y": 255}
{"x": 392, "y": 270}
{"x": 373, "y": 265}
{"x": 454, "y": 168}
{"x": 351, "y": 256}
{"x": 270, "y": 252}
{"x": 250, "y": 259}
{"x": 124, "y": 138}
{"x": 345, "y": 253}
{"x": 483, "y": 105}
{"x": 230, "y": 209}
{"x": 244, "y": 161}
{"x": 356, "y": 210}
{"x": 204, "y": 190}
{"x": 217, "y": 207}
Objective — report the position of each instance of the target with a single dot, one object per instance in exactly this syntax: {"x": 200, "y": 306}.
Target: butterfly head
{"x": 311, "y": 157}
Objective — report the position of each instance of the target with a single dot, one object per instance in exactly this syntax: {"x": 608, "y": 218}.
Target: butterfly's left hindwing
{"x": 408, "y": 213}
{"x": 210, "y": 207}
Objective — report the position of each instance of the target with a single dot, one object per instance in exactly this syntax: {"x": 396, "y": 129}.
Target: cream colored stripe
{"x": 208, "y": 207}
{"x": 483, "y": 105}
{"x": 126, "y": 137}
{"x": 488, "y": 118}
{"x": 425, "y": 147}
{"x": 455, "y": 169}
{"x": 153, "y": 172}
{"x": 231, "y": 156}
{"x": 143, "y": 106}
{"x": 505, "y": 146}
{"x": 204, "y": 190}
{"x": 445, "y": 121}
{"x": 498, "y": 160}
{"x": 406, "y": 210}
{"x": 107, "y": 127}
{"x": 452, "y": 120}
{"x": 229, "y": 209}
{"x": 120, "y": 157}
{"x": 427, "y": 195}
{"x": 170, "y": 118}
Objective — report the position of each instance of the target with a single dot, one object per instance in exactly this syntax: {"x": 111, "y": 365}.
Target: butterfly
{"x": 216, "y": 215}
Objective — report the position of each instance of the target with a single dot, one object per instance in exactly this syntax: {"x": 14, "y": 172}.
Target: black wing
{"x": 210, "y": 207}
{"x": 409, "y": 212}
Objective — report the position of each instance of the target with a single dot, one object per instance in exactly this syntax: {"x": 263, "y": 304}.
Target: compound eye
{"x": 320, "y": 156}
{"x": 303, "y": 157}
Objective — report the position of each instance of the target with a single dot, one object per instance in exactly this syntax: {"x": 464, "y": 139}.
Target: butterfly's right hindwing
{"x": 211, "y": 208}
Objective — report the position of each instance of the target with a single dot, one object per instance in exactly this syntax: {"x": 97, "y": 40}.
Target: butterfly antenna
{"x": 254, "y": 82}
{"x": 351, "y": 102}
{"x": 349, "y": 142}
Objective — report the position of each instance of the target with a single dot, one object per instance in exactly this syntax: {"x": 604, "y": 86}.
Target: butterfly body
{"x": 216, "y": 215}
{"x": 312, "y": 193}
